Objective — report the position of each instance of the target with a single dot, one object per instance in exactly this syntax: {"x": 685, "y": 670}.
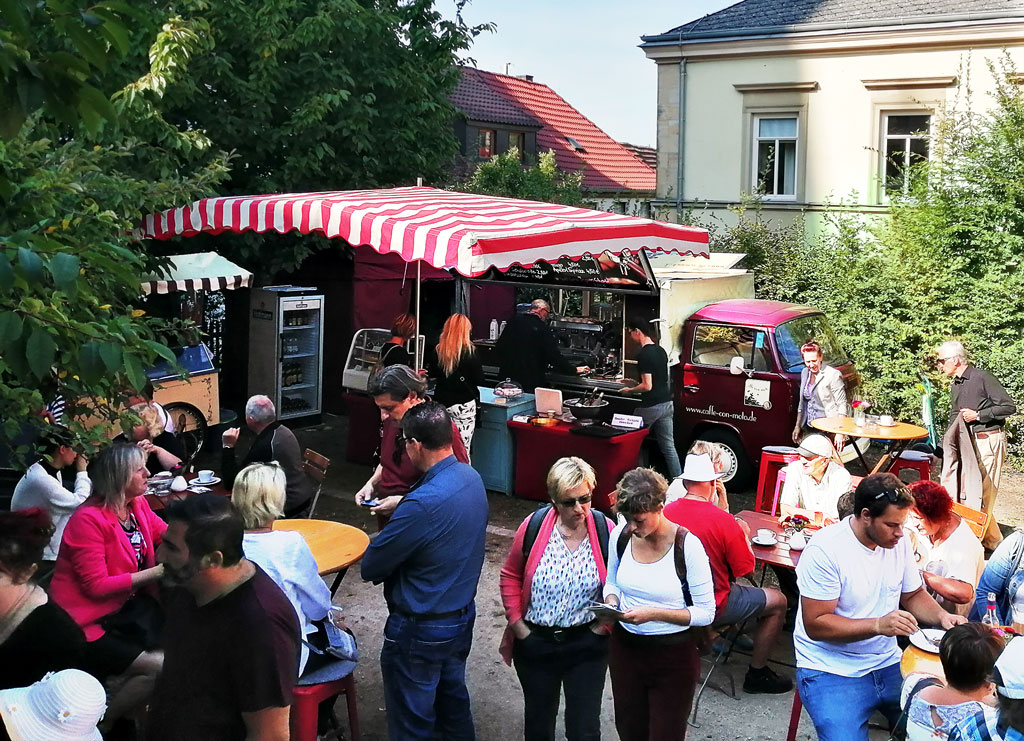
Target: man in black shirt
{"x": 526, "y": 348}
{"x": 656, "y": 405}
{"x": 231, "y": 641}
{"x": 984, "y": 404}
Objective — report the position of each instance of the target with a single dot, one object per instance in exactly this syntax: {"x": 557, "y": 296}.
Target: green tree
{"x": 316, "y": 95}
{"x": 505, "y": 175}
{"x": 73, "y": 184}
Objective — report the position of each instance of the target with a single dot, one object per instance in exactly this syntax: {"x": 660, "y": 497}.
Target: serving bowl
{"x": 582, "y": 410}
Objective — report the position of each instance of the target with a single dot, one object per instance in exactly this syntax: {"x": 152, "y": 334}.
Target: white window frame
{"x": 883, "y": 164}
{"x": 754, "y": 159}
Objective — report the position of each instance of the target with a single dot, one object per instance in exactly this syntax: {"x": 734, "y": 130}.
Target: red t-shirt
{"x": 722, "y": 538}
{"x": 398, "y": 474}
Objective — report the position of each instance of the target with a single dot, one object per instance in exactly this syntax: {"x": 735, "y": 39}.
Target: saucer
{"x": 208, "y": 482}
{"x": 756, "y": 540}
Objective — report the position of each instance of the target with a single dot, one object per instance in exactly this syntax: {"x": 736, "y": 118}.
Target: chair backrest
{"x": 315, "y": 465}
{"x": 976, "y": 520}
{"x": 778, "y": 490}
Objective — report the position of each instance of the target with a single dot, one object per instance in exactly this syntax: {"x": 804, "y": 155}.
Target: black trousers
{"x": 576, "y": 659}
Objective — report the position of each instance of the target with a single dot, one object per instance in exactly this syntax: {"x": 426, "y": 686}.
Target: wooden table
{"x": 776, "y": 555}
{"x": 158, "y": 503}
{"x": 335, "y": 546}
{"x": 917, "y": 660}
{"x": 899, "y": 435}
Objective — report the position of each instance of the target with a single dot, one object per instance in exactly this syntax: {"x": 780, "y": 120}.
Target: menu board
{"x": 626, "y": 272}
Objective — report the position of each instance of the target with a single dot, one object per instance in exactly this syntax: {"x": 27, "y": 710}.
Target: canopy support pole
{"x": 419, "y": 281}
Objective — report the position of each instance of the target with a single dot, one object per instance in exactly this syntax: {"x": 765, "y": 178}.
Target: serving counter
{"x": 492, "y": 455}
{"x": 537, "y": 448}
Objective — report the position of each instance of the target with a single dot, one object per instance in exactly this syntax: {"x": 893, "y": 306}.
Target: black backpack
{"x": 537, "y": 519}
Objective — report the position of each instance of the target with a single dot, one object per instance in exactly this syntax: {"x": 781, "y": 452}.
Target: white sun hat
{"x": 699, "y": 467}
{"x": 62, "y": 706}
{"x": 1010, "y": 670}
{"x": 814, "y": 446}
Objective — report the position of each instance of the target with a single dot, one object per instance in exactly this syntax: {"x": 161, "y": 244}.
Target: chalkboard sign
{"x": 628, "y": 272}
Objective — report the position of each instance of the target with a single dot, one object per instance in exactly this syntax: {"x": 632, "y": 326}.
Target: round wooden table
{"x": 335, "y": 546}
{"x": 899, "y": 435}
{"x": 918, "y": 660}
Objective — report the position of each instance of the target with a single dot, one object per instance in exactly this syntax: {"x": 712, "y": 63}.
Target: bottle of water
{"x": 991, "y": 618}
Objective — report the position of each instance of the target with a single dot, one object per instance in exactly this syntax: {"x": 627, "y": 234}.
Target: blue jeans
{"x": 423, "y": 664}
{"x": 660, "y": 418}
{"x": 841, "y": 706}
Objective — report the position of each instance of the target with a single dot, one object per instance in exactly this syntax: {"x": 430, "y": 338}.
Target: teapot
{"x": 179, "y": 484}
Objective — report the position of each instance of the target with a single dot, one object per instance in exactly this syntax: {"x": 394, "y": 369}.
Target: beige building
{"x": 809, "y": 102}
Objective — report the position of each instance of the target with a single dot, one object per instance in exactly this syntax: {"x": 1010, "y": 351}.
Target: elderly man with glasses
{"x": 984, "y": 405}
{"x": 860, "y": 588}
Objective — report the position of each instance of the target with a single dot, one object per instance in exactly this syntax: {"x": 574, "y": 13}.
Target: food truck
{"x": 734, "y": 361}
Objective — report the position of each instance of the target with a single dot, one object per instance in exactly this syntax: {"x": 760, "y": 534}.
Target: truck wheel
{"x": 739, "y": 474}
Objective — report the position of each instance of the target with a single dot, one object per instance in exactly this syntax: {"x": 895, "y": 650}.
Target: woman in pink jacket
{"x": 556, "y": 568}
{"x": 106, "y": 576}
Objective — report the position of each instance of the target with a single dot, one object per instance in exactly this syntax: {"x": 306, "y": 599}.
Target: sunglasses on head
{"x": 893, "y": 495}
{"x": 570, "y": 503}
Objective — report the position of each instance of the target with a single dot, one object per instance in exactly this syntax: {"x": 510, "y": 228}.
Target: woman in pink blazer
{"x": 556, "y": 568}
{"x": 106, "y": 576}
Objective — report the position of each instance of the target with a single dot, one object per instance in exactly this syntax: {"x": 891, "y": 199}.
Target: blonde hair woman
{"x": 258, "y": 495}
{"x": 555, "y": 569}
{"x": 457, "y": 370}
{"x": 160, "y": 447}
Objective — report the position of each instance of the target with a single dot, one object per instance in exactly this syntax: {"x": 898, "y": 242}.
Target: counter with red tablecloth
{"x": 537, "y": 448}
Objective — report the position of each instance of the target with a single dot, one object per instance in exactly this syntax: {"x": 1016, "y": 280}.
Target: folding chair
{"x": 976, "y": 520}
{"x": 315, "y": 466}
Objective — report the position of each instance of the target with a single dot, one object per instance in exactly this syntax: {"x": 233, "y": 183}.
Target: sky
{"x": 585, "y": 50}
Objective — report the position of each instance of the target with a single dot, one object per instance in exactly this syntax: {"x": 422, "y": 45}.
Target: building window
{"x": 906, "y": 145}
{"x": 517, "y": 141}
{"x": 485, "y": 143}
{"x": 775, "y": 139}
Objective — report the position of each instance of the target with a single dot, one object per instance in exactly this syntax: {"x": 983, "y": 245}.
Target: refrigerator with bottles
{"x": 286, "y": 340}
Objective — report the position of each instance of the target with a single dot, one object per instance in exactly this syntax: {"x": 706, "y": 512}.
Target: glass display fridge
{"x": 286, "y": 341}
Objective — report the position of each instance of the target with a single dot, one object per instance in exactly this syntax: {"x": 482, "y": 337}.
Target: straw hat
{"x": 62, "y": 706}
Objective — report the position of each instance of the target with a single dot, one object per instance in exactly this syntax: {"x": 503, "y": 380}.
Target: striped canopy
{"x": 199, "y": 271}
{"x": 460, "y": 231}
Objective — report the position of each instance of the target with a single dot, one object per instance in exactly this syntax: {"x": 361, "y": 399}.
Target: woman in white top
{"x": 258, "y": 495}
{"x": 955, "y": 556}
{"x": 968, "y": 653}
{"x": 653, "y": 657}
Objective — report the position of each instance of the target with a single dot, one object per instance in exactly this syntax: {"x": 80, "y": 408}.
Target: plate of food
{"x": 928, "y": 639}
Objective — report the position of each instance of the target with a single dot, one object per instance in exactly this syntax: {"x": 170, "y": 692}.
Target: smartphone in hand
{"x": 370, "y": 502}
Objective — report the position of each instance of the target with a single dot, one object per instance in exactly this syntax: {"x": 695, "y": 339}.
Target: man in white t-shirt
{"x": 860, "y": 588}
{"x": 816, "y": 481}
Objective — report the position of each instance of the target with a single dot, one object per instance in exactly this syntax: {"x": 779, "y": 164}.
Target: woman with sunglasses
{"x": 555, "y": 569}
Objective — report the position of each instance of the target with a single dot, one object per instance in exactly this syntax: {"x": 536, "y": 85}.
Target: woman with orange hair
{"x": 457, "y": 370}
{"x": 396, "y": 350}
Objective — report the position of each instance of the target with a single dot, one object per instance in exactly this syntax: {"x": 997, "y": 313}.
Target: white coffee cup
{"x": 205, "y": 476}
{"x": 886, "y": 420}
{"x": 765, "y": 535}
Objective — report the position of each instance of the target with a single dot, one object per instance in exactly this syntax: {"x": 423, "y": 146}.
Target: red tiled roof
{"x": 648, "y": 154}
{"x": 606, "y": 164}
{"x": 476, "y": 100}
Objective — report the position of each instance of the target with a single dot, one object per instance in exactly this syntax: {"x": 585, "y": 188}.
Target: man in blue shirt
{"x": 429, "y": 558}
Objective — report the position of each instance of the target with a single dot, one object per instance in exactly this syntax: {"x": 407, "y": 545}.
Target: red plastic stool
{"x": 773, "y": 458}
{"x": 915, "y": 461}
{"x": 306, "y": 702}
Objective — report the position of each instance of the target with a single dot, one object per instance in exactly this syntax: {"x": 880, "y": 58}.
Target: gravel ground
{"x": 497, "y": 701}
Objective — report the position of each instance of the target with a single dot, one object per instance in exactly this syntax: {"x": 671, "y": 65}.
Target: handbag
{"x": 140, "y": 620}
{"x": 332, "y": 640}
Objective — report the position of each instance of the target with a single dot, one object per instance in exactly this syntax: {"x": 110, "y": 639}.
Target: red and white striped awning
{"x": 198, "y": 271}
{"x": 460, "y": 231}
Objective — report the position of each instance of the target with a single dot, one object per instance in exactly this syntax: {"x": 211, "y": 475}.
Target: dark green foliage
{"x": 505, "y": 175}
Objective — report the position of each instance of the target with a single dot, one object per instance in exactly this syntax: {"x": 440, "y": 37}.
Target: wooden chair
{"x": 977, "y": 521}
{"x": 315, "y": 466}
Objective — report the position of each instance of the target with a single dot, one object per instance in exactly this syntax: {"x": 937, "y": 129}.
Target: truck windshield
{"x": 790, "y": 335}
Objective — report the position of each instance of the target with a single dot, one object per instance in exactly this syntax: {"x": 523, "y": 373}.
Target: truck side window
{"x": 717, "y": 344}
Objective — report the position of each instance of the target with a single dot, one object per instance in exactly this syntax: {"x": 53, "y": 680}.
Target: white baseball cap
{"x": 1010, "y": 670}
{"x": 699, "y": 467}
{"x": 62, "y": 706}
{"x": 814, "y": 446}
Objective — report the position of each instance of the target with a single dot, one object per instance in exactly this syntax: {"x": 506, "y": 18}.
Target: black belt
{"x": 557, "y": 633}
{"x": 434, "y": 615}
